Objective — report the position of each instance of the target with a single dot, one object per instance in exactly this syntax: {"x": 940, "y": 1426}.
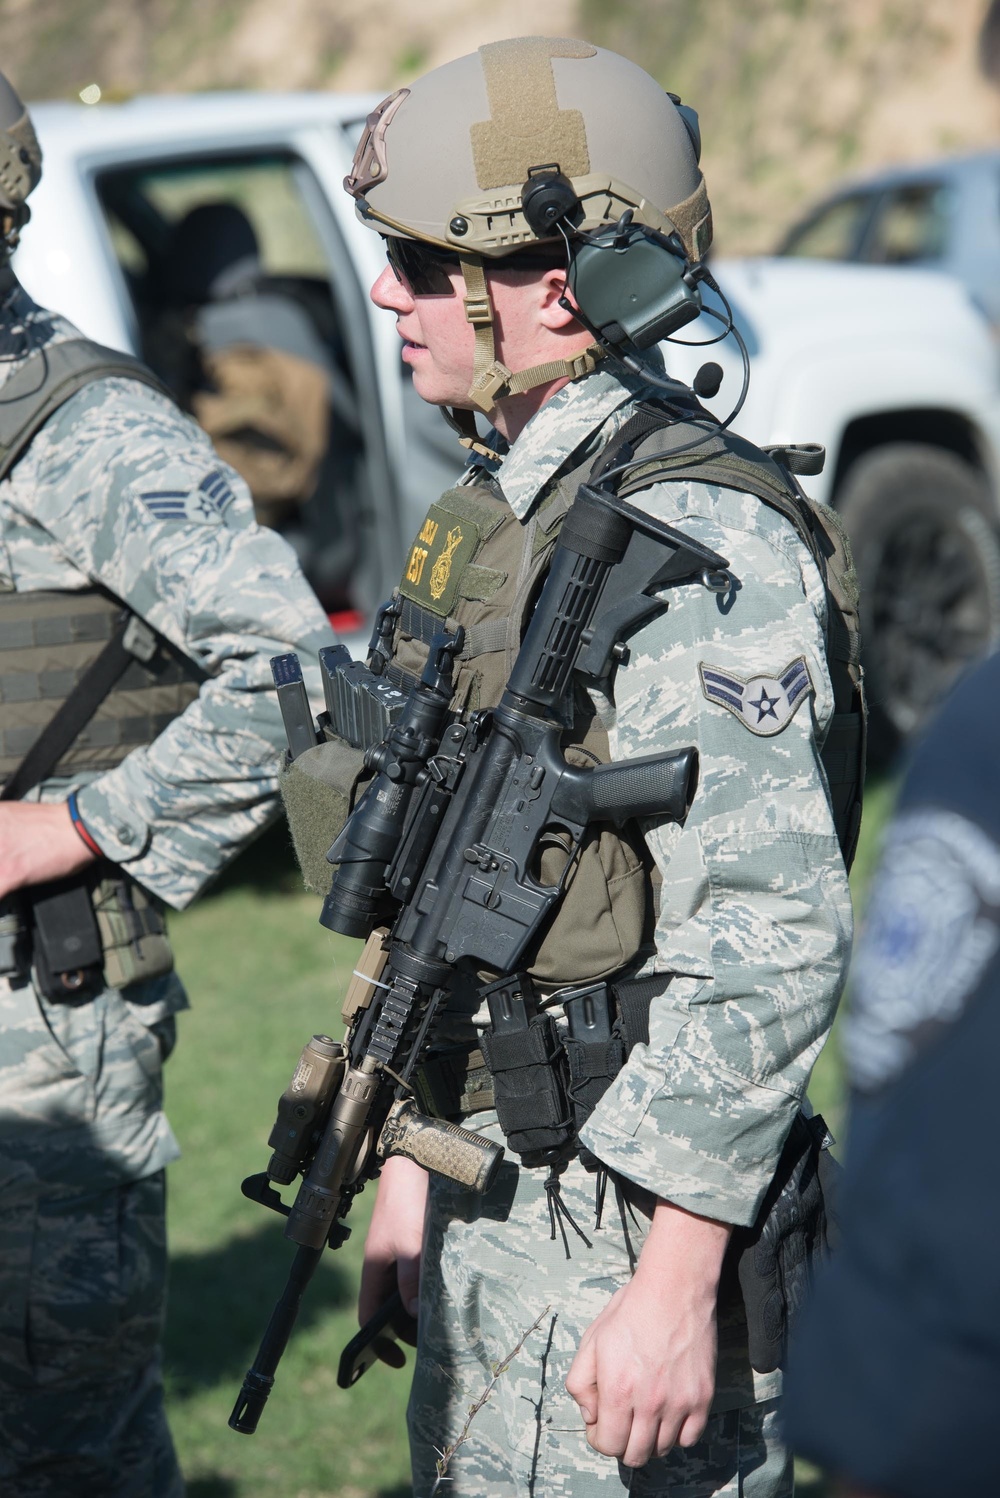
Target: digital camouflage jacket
{"x": 755, "y": 914}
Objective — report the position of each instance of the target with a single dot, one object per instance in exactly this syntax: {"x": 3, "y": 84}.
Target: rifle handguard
{"x": 462, "y": 1156}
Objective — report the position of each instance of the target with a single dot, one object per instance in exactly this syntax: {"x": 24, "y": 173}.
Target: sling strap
{"x": 44, "y": 382}
{"x": 664, "y": 440}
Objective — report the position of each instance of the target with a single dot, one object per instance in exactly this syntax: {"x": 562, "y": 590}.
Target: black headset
{"x": 633, "y": 286}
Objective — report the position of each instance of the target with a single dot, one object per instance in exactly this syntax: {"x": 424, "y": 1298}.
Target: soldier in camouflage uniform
{"x": 120, "y": 492}
{"x": 635, "y": 1381}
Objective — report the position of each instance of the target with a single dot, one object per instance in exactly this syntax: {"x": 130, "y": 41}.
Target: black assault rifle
{"x": 441, "y": 849}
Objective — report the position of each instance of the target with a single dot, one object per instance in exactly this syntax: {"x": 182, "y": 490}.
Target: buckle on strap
{"x": 139, "y": 640}
{"x": 583, "y": 364}
{"x": 478, "y": 310}
{"x": 489, "y": 382}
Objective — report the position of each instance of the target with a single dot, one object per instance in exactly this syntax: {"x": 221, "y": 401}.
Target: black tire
{"x": 924, "y": 530}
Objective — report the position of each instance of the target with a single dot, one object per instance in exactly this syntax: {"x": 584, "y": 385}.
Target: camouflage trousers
{"x": 82, "y": 1279}
{"x": 490, "y": 1268}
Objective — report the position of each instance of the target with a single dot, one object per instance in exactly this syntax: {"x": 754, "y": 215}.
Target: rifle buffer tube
{"x": 593, "y": 539}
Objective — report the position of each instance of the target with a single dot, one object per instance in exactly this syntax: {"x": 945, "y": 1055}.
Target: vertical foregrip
{"x": 462, "y": 1156}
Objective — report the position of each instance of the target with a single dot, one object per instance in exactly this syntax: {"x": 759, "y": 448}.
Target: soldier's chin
{"x": 430, "y": 387}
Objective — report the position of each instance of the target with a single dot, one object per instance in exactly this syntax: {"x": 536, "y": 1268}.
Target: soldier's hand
{"x": 395, "y": 1238}
{"x": 644, "y": 1375}
{"x": 38, "y": 842}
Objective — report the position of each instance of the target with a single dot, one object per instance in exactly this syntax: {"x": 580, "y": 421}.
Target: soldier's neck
{"x": 511, "y": 415}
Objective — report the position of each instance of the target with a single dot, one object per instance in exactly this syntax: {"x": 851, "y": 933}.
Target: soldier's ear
{"x": 556, "y": 302}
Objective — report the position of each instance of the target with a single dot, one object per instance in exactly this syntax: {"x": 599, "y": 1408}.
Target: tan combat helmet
{"x": 446, "y": 160}
{"x": 20, "y": 166}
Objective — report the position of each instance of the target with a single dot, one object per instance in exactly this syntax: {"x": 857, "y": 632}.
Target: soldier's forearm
{"x": 38, "y": 843}
{"x": 680, "y": 1243}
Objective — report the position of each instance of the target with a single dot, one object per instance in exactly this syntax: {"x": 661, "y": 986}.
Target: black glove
{"x": 774, "y": 1257}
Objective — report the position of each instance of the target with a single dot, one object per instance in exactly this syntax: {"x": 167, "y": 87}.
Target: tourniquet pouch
{"x": 318, "y": 790}
{"x": 774, "y": 1258}
{"x": 529, "y": 1085}
{"x": 133, "y": 932}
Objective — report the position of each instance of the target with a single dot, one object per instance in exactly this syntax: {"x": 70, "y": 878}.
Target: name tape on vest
{"x": 443, "y": 549}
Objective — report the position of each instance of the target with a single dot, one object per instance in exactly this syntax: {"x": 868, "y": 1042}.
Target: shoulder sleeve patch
{"x": 932, "y": 928}
{"x": 207, "y": 504}
{"x": 764, "y": 704}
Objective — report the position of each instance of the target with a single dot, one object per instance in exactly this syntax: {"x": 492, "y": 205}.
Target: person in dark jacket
{"x": 895, "y": 1378}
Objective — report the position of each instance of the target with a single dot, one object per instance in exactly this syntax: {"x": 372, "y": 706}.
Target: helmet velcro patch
{"x": 521, "y": 87}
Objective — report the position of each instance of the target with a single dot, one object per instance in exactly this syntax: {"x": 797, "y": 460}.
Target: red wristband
{"x": 80, "y": 827}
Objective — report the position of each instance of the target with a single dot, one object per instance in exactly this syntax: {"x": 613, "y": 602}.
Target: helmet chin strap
{"x": 492, "y": 380}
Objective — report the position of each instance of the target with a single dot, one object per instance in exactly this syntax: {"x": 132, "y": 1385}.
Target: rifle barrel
{"x": 260, "y": 1378}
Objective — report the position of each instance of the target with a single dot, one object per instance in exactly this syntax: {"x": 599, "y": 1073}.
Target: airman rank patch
{"x": 205, "y": 505}
{"x": 764, "y": 704}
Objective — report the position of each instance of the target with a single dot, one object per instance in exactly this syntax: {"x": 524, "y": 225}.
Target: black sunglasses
{"x": 423, "y": 267}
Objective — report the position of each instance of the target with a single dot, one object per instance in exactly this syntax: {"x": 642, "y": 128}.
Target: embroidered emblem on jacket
{"x": 441, "y": 571}
{"x": 206, "y": 505}
{"x": 764, "y": 704}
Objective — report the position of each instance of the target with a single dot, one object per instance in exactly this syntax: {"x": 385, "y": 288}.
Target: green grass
{"x": 263, "y": 976}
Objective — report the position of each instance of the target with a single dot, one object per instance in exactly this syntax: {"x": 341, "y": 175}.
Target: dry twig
{"x": 498, "y": 1370}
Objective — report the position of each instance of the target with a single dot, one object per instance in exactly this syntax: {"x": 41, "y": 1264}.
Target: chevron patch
{"x": 764, "y": 704}
{"x": 206, "y": 505}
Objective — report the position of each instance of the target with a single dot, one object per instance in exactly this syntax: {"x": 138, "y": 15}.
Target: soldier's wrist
{"x": 80, "y": 827}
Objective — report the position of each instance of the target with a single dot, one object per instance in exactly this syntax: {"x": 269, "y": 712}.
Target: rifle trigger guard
{"x": 258, "y": 1188}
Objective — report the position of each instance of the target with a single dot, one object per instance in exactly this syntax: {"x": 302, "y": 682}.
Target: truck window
{"x": 238, "y": 312}
{"x": 833, "y": 232}
{"x": 909, "y": 226}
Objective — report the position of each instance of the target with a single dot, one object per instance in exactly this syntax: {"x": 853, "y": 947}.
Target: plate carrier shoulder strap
{"x": 47, "y": 380}
{"x": 663, "y": 444}
{"x": 44, "y": 383}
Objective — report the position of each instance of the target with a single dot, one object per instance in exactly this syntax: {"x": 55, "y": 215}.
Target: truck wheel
{"x": 924, "y": 531}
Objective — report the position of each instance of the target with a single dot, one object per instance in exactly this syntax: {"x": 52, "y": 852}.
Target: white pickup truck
{"x": 893, "y": 371}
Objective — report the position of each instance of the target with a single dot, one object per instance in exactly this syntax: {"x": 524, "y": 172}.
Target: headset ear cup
{"x": 547, "y": 198}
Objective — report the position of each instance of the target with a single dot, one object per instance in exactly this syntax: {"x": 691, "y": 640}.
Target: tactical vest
{"x": 474, "y": 564}
{"x": 49, "y": 640}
